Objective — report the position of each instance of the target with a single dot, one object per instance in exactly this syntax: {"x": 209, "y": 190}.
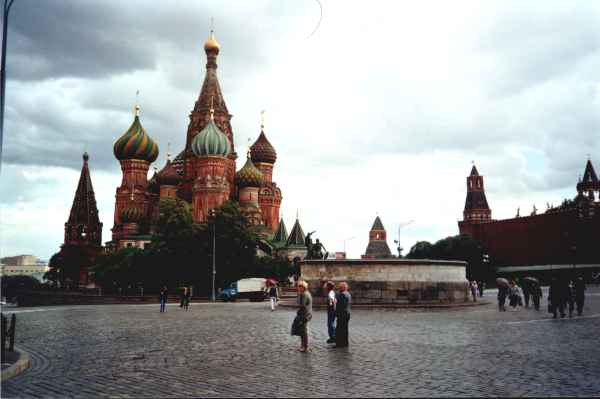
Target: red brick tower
{"x": 476, "y": 207}
{"x": 210, "y": 97}
{"x": 264, "y": 156}
{"x": 378, "y": 247}
{"x": 83, "y": 230}
{"x": 135, "y": 150}
{"x": 211, "y": 150}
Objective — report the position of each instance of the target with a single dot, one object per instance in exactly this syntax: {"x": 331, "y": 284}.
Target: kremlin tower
{"x": 378, "y": 247}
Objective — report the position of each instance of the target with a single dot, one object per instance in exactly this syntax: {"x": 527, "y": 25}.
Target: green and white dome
{"x": 211, "y": 141}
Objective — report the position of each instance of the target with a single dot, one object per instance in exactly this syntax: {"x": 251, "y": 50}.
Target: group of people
{"x": 184, "y": 303}
{"x": 338, "y": 314}
{"x": 476, "y": 289}
{"x": 563, "y": 294}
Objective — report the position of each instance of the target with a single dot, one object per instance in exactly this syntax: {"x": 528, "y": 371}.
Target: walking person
{"x": 273, "y": 296}
{"x": 187, "y": 294}
{"x": 304, "y": 314}
{"x": 342, "y": 313}
{"x": 329, "y": 287}
{"x": 163, "y": 297}
{"x": 514, "y": 295}
{"x": 502, "y": 294}
{"x": 474, "y": 290}
{"x": 579, "y": 286}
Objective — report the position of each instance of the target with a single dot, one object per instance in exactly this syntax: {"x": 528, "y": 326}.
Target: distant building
{"x": 23, "y": 265}
{"x": 378, "y": 247}
{"x": 562, "y": 237}
{"x": 292, "y": 246}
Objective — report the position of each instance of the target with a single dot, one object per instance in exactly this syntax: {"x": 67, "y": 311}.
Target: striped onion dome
{"x": 131, "y": 215}
{"x": 249, "y": 175}
{"x": 262, "y": 150}
{"x": 135, "y": 143}
{"x": 211, "y": 141}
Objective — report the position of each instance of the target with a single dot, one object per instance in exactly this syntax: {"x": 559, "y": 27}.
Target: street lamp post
{"x": 5, "y": 10}
{"x": 212, "y": 215}
{"x": 404, "y": 224}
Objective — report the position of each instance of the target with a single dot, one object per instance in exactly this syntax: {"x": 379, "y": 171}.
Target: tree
{"x": 461, "y": 247}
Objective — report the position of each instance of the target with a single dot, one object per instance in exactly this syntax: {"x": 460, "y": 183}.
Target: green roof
{"x": 296, "y": 237}
{"x": 281, "y": 235}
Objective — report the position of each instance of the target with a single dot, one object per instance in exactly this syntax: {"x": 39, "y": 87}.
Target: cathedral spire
{"x": 83, "y": 226}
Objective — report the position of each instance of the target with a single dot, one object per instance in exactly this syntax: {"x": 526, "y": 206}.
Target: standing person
{"x": 579, "y": 286}
{"x": 163, "y": 299}
{"x": 187, "y": 293}
{"x": 474, "y": 290}
{"x": 527, "y": 293}
{"x": 570, "y": 297}
{"x": 514, "y": 295}
{"x": 556, "y": 297}
{"x": 536, "y": 295}
{"x": 329, "y": 287}
{"x": 502, "y": 294}
{"x": 183, "y": 295}
{"x": 304, "y": 313}
{"x": 481, "y": 286}
{"x": 273, "y": 296}
{"x": 342, "y": 312}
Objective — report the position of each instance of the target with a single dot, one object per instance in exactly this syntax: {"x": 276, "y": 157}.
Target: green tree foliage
{"x": 459, "y": 247}
{"x": 64, "y": 267}
{"x": 180, "y": 253}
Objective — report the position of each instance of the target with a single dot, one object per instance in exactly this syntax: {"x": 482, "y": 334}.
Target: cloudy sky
{"x": 379, "y": 111}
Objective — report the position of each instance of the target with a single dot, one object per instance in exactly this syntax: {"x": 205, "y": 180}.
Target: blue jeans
{"x": 331, "y": 324}
{"x": 163, "y": 306}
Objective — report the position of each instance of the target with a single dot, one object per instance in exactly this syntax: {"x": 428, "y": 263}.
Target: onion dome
{"x": 211, "y": 44}
{"x": 135, "y": 143}
{"x": 211, "y": 141}
{"x": 168, "y": 176}
{"x": 131, "y": 215}
{"x": 249, "y": 175}
{"x": 262, "y": 150}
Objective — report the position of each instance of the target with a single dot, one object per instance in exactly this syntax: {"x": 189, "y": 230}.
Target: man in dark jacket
{"x": 342, "y": 312}
{"x": 558, "y": 295}
{"x": 579, "y": 286}
{"x": 502, "y": 294}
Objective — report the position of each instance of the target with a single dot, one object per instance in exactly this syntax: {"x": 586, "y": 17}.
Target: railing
{"x": 8, "y": 333}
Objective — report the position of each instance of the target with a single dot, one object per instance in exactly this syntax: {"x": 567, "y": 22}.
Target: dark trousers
{"x": 559, "y": 307}
{"x": 163, "y": 305}
{"x": 580, "y": 302}
{"x": 331, "y": 323}
{"x": 341, "y": 330}
{"x": 526, "y": 295}
{"x": 536, "y": 302}
{"x": 501, "y": 302}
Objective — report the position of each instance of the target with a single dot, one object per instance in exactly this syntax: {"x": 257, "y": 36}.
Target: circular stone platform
{"x": 390, "y": 281}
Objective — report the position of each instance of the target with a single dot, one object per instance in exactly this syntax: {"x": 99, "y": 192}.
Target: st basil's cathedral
{"x": 203, "y": 174}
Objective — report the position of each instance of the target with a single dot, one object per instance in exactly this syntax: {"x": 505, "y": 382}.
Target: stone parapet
{"x": 390, "y": 281}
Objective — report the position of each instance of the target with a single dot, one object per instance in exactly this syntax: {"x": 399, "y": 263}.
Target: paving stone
{"x": 243, "y": 349}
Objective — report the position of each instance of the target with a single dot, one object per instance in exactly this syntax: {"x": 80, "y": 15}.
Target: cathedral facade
{"x": 203, "y": 174}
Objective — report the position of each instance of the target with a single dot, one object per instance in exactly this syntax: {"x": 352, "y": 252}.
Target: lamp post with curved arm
{"x": 5, "y": 11}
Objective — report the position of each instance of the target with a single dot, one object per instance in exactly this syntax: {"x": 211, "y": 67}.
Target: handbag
{"x": 297, "y": 326}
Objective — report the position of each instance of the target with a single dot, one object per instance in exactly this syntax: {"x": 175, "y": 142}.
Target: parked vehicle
{"x": 254, "y": 289}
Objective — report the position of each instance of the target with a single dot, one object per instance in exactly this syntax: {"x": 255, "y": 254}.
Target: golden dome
{"x": 211, "y": 43}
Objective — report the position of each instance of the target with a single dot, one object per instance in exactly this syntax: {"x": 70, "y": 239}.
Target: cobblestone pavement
{"x": 243, "y": 349}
